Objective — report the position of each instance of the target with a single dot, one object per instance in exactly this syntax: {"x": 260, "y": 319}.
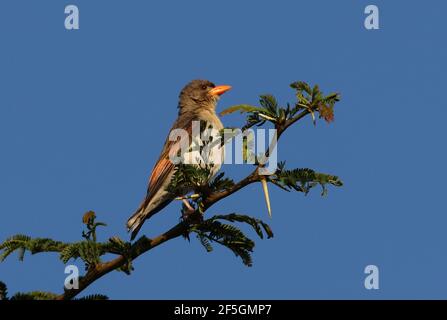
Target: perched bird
{"x": 197, "y": 102}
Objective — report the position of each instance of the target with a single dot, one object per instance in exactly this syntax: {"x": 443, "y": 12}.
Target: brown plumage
{"x": 197, "y": 102}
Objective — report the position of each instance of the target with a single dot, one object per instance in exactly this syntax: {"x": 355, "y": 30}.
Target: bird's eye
{"x": 204, "y": 87}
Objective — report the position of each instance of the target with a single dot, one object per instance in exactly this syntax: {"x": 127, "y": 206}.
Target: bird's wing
{"x": 164, "y": 166}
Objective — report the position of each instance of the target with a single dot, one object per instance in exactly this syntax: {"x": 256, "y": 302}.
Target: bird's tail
{"x": 144, "y": 212}
{"x": 136, "y": 221}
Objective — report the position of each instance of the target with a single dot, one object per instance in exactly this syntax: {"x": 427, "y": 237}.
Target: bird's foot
{"x": 189, "y": 207}
{"x": 190, "y": 214}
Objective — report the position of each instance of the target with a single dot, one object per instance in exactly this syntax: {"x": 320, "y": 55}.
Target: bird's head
{"x": 199, "y": 94}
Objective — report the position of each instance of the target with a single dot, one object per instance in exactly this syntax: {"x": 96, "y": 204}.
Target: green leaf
{"x": 228, "y": 236}
{"x": 243, "y": 108}
{"x": 188, "y": 176}
{"x": 269, "y": 103}
{"x": 256, "y": 224}
{"x": 70, "y": 252}
{"x": 303, "y": 179}
{"x": 301, "y": 86}
{"x": 219, "y": 183}
{"x": 205, "y": 242}
{"x": 89, "y": 251}
{"x": 34, "y": 295}
{"x": 22, "y": 243}
{"x": 212, "y": 230}
{"x": 3, "y": 291}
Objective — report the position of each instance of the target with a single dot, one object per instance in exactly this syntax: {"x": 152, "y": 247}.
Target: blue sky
{"x": 83, "y": 115}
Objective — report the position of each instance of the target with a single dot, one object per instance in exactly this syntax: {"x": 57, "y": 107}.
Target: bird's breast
{"x": 206, "y": 149}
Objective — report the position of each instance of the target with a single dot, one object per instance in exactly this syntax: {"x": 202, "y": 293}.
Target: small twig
{"x": 193, "y": 196}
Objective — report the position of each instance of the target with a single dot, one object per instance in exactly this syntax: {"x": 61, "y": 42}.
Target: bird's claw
{"x": 188, "y": 209}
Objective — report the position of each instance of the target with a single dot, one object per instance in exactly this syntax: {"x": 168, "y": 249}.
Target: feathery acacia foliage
{"x": 302, "y": 180}
{"x": 222, "y": 229}
{"x": 308, "y": 99}
{"x": 212, "y": 230}
{"x": 40, "y": 295}
{"x": 3, "y": 291}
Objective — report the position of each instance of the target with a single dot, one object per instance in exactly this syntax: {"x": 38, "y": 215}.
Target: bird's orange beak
{"x": 219, "y": 90}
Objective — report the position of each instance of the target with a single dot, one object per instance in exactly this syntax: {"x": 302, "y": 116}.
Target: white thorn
{"x": 266, "y": 195}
